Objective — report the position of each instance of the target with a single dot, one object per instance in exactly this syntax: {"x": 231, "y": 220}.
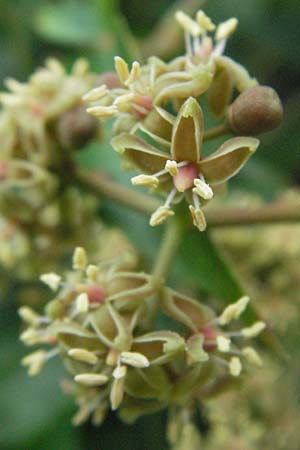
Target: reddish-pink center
{"x": 185, "y": 178}
{"x": 210, "y": 335}
{"x": 144, "y": 101}
{"x": 96, "y": 294}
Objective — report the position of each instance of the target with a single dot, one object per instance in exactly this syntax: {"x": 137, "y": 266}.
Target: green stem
{"x": 166, "y": 254}
{"x": 168, "y": 248}
{"x": 215, "y": 132}
{"x": 277, "y": 212}
{"x": 101, "y": 184}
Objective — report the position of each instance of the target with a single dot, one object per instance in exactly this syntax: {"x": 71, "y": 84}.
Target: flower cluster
{"x": 99, "y": 324}
{"x": 42, "y": 121}
{"x": 159, "y": 123}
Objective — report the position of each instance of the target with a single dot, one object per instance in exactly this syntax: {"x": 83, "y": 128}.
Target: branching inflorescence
{"x": 102, "y": 321}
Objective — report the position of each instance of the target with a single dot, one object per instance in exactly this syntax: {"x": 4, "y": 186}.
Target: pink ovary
{"x": 185, "y": 178}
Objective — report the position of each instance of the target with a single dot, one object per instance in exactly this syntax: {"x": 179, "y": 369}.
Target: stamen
{"x": 171, "y": 167}
{"x": 123, "y": 99}
{"x": 187, "y": 23}
{"x": 254, "y": 330}
{"x": 122, "y": 69}
{"x": 51, "y": 279}
{"x": 252, "y": 356}
{"x": 95, "y": 94}
{"x": 79, "y": 259}
{"x": 202, "y": 189}
{"x": 83, "y": 355}
{"x": 134, "y": 73}
{"x": 170, "y": 197}
{"x": 225, "y": 29}
{"x": 204, "y": 21}
{"x": 91, "y": 379}
{"x": 150, "y": 181}
{"x": 223, "y": 344}
{"x": 234, "y": 310}
{"x": 197, "y": 214}
{"x": 105, "y": 111}
{"x": 160, "y": 215}
{"x": 134, "y": 359}
{"x": 235, "y": 366}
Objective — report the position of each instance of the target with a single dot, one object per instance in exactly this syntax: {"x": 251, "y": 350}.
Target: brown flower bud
{"x": 75, "y": 128}
{"x": 257, "y": 110}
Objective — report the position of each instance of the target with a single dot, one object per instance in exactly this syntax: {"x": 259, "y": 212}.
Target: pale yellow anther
{"x": 188, "y": 24}
{"x": 234, "y": 310}
{"x": 10, "y": 99}
{"x": 252, "y": 356}
{"x": 225, "y": 29}
{"x": 171, "y": 167}
{"x": 95, "y": 94}
{"x": 204, "y": 21}
{"x": 91, "y": 379}
{"x": 134, "y": 359}
{"x": 160, "y": 215}
{"x": 81, "y": 67}
{"x": 198, "y": 218}
{"x": 14, "y": 85}
{"x": 119, "y": 372}
{"x": 83, "y": 355}
{"x": 235, "y": 366}
{"x": 254, "y": 330}
{"x": 223, "y": 344}
{"x": 51, "y": 279}
{"x": 102, "y": 111}
{"x": 79, "y": 258}
{"x": 30, "y": 336}
{"x": 92, "y": 272}
{"x": 55, "y": 66}
{"x": 82, "y": 303}
{"x": 28, "y": 315}
{"x": 203, "y": 189}
{"x": 124, "y": 99}
{"x": 134, "y": 73}
{"x": 122, "y": 69}
{"x": 35, "y": 362}
{"x": 145, "y": 180}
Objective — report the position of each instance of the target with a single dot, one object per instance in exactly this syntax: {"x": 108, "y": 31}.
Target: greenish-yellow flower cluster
{"x": 42, "y": 121}
{"x": 159, "y": 123}
{"x": 98, "y": 322}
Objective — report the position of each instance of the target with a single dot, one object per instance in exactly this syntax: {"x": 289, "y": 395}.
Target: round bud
{"x": 75, "y": 128}
{"x": 257, "y": 110}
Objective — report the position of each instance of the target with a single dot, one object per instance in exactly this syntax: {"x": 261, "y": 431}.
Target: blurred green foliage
{"x": 34, "y": 414}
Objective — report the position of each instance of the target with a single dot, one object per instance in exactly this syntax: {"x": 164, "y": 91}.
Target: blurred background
{"x": 34, "y": 414}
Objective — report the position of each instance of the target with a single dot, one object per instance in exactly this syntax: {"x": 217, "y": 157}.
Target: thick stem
{"x": 101, "y": 184}
{"x": 168, "y": 248}
{"x": 215, "y": 132}
{"x": 276, "y": 212}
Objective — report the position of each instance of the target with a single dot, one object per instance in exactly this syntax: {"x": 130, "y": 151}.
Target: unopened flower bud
{"x": 75, "y": 128}
{"x": 257, "y": 110}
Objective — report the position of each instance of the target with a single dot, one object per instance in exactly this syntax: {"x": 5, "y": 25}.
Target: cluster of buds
{"x": 159, "y": 124}
{"x": 99, "y": 324}
{"x": 42, "y": 122}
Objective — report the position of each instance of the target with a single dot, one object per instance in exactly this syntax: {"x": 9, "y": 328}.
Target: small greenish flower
{"x": 208, "y": 338}
{"x": 181, "y": 170}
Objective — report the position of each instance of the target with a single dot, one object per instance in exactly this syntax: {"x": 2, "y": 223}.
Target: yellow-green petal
{"x": 144, "y": 156}
{"x": 225, "y": 162}
{"x": 188, "y": 132}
